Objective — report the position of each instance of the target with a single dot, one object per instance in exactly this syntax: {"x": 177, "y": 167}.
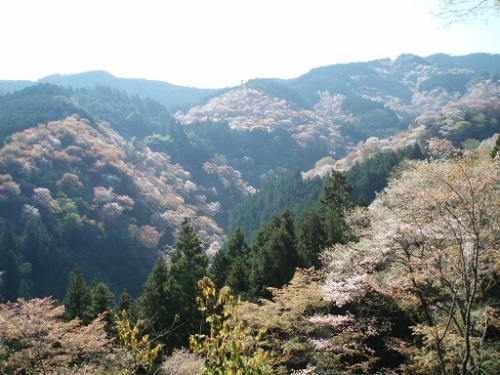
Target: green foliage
{"x": 189, "y": 264}
{"x": 288, "y": 190}
{"x": 231, "y": 348}
{"x": 36, "y": 249}
{"x": 102, "y": 299}
{"x": 452, "y": 82}
{"x": 78, "y": 299}
{"x": 157, "y": 303}
{"x": 371, "y": 175}
{"x": 231, "y": 265}
{"x": 9, "y": 264}
{"x": 477, "y": 125}
{"x": 257, "y": 153}
{"x": 35, "y": 105}
{"x": 335, "y": 201}
{"x": 311, "y": 237}
{"x": 274, "y": 255}
{"x": 11, "y": 277}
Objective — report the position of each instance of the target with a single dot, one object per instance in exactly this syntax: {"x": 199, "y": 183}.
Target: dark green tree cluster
{"x": 168, "y": 301}
{"x": 35, "y": 105}
{"x": 281, "y": 245}
{"x": 131, "y": 116}
{"x": 287, "y": 190}
{"x": 477, "y": 125}
{"x": 371, "y": 175}
{"x": 86, "y": 301}
{"x": 374, "y": 119}
{"x": 25, "y": 262}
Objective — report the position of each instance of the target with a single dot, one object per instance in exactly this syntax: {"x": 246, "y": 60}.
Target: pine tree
{"x": 11, "y": 278}
{"x": 35, "y": 245}
{"x": 189, "y": 265}
{"x": 275, "y": 255}
{"x": 102, "y": 299}
{"x": 78, "y": 297}
{"x": 231, "y": 265}
{"x": 156, "y": 301}
{"x": 125, "y": 301}
{"x": 7, "y": 242}
{"x": 311, "y": 238}
{"x": 238, "y": 272}
{"x": 189, "y": 262}
{"x": 335, "y": 201}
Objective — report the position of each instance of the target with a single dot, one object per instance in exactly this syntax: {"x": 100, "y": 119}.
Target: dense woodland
{"x": 342, "y": 222}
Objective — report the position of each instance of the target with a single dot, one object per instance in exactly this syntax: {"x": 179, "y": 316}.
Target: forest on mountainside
{"x": 340, "y": 222}
{"x": 407, "y": 285}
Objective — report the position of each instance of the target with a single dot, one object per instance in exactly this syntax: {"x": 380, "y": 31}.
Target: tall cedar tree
{"x": 9, "y": 264}
{"x": 78, "y": 299}
{"x": 231, "y": 265}
{"x": 35, "y": 246}
{"x": 7, "y": 242}
{"x": 311, "y": 237}
{"x": 335, "y": 201}
{"x": 11, "y": 278}
{"x": 102, "y": 300}
{"x": 275, "y": 255}
{"x": 189, "y": 265}
{"x": 156, "y": 301}
{"x": 324, "y": 224}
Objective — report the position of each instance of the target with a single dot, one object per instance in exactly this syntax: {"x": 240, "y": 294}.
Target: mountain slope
{"x": 106, "y": 204}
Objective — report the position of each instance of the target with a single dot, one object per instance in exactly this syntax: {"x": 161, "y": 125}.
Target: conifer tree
{"x": 7, "y": 242}
{"x": 220, "y": 267}
{"x": 231, "y": 265}
{"x": 125, "y": 301}
{"x": 11, "y": 278}
{"x": 189, "y": 262}
{"x": 25, "y": 288}
{"x": 311, "y": 238}
{"x": 102, "y": 299}
{"x": 335, "y": 200}
{"x": 35, "y": 250}
{"x": 275, "y": 255}
{"x": 189, "y": 265}
{"x": 78, "y": 299}
{"x": 156, "y": 300}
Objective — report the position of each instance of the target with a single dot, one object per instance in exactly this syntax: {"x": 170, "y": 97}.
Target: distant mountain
{"x": 480, "y": 63}
{"x": 171, "y": 96}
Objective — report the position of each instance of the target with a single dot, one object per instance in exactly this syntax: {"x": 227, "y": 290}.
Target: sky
{"x": 221, "y": 43}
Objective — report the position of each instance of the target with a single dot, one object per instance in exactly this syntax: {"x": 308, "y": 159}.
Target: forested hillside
{"x": 344, "y": 221}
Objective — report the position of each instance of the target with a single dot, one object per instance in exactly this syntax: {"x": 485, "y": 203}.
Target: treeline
{"x": 290, "y": 190}
{"x": 280, "y": 245}
{"x": 131, "y": 116}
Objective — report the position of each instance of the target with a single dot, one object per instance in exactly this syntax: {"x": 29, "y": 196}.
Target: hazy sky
{"x": 217, "y": 43}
